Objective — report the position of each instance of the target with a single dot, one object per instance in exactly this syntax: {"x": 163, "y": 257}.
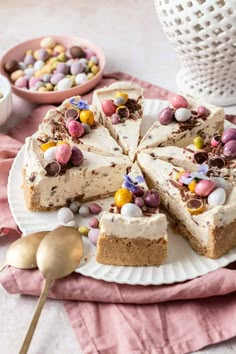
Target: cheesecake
{"x": 119, "y": 107}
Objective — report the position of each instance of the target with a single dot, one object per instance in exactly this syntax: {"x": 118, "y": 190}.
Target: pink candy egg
{"x": 204, "y": 187}
{"x": 89, "y": 53}
{"x": 63, "y": 153}
{"x": 108, "y": 107}
{"x": 32, "y": 81}
{"x": 215, "y": 140}
{"x": 21, "y": 82}
{"x": 179, "y": 101}
{"x": 75, "y": 129}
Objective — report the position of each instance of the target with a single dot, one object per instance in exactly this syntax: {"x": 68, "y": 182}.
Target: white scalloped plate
{"x": 182, "y": 262}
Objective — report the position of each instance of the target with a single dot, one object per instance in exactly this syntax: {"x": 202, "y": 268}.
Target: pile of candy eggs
{"x": 179, "y": 111}
{"x": 116, "y": 109}
{"x": 53, "y": 67}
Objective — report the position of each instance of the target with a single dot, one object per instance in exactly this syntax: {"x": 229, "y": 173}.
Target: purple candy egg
{"x": 93, "y": 235}
{"x": 32, "y": 81}
{"x": 75, "y": 129}
{"x": 22, "y": 82}
{"x": 94, "y": 222}
{"x": 43, "y": 54}
{"x": 139, "y": 202}
{"x": 115, "y": 118}
{"x": 89, "y": 53}
{"x": 165, "y": 116}
{"x": 229, "y": 134}
{"x": 76, "y": 67}
{"x": 29, "y": 59}
{"x": 56, "y": 78}
{"x": 62, "y": 68}
{"x": 77, "y": 157}
{"x": 95, "y": 208}
{"x": 230, "y": 149}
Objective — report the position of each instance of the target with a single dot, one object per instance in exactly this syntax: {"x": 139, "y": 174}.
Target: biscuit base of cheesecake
{"x": 220, "y": 241}
{"x": 138, "y": 252}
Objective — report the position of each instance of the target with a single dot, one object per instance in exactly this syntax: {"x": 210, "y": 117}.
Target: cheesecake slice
{"x": 182, "y": 132}
{"x": 127, "y": 240}
{"x": 49, "y": 185}
{"x": 123, "y": 114}
{"x": 207, "y": 220}
{"x": 95, "y": 137}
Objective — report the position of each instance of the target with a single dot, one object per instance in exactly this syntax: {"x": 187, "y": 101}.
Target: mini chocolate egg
{"x": 198, "y": 142}
{"x": 71, "y": 113}
{"x": 217, "y": 197}
{"x": 77, "y": 157}
{"x": 76, "y": 67}
{"x": 39, "y": 64}
{"x": 47, "y": 42}
{"x": 71, "y": 223}
{"x": 64, "y": 84}
{"x": 93, "y": 235}
{"x": 63, "y": 153}
{"x": 119, "y": 101}
{"x": 115, "y": 118}
{"x": 229, "y": 149}
{"x": 75, "y": 129}
{"x": 220, "y": 182}
{"x": 87, "y": 128}
{"x": 62, "y": 57}
{"x": 202, "y": 111}
{"x": 179, "y": 101}
{"x": 46, "y": 78}
{"x": 84, "y": 230}
{"x": 64, "y": 215}
{"x": 90, "y": 76}
{"x": 216, "y": 139}
{"x": 182, "y": 114}
{"x": 39, "y": 84}
{"x": 122, "y": 94}
{"x": 49, "y": 86}
{"x": 22, "y": 82}
{"x": 22, "y": 65}
{"x": 62, "y": 68}
{"x": 77, "y": 52}
{"x": 195, "y": 206}
{"x": 108, "y": 107}
{"x": 94, "y": 208}
{"x": 83, "y": 61}
{"x": 165, "y": 116}
{"x": 204, "y": 187}
{"x": 29, "y": 72}
{"x": 16, "y": 74}
{"x": 74, "y": 206}
{"x": 200, "y": 157}
{"x": 58, "y": 49}
{"x": 53, "y": 168}
{"x": 43, "y": 54}
{"x": 87, "y": 116}
{"x": 89, "y": 53}
{"x": 84, "y": 211}
{"x": 229, "y": 134}
{"x": 50, "y": 154}
{"x": 131, "y": 210}
{"x": 56, "y": 78}
{"x": 94, "y": 69}
{"x": 94, "y": 222}
{"x": 122, "y": 197}
{"x": 35, "y": 54}
{"x": 81, "y": 78}
{"x": 11, "y": 65}
{"x": 94, "y": 59}
{"x": 29, "y": 59}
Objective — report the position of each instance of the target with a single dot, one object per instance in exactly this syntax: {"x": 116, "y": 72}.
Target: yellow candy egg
{"x": 29, "y": 52}
{"x": 38, "y": 73}
{"x": 42, "y": 89}
{"x": 59, "y": 48}
{"x": 17, "y": 74}
{"x": 49, "y": 86}
{"x": 178, "y": 174}
{"x": 122, "y": 94}
{"x": 90, "y": 64}
{"x": 192, "y": 186}
{"x": 122, "y": 197}
{"x": 36, "y": 54}
{"x": 84, "y": 230}
{"x": 62, "y": 57}
{"x": 90, "y": 76}
{"x": 94, "y": 69}
{"x": 194, "y": 206}
{"x": 48, "y": 145}
{"x": 198, "y": 142}
{"x": 87, "y": 117}
{"x": 49, "y": 50}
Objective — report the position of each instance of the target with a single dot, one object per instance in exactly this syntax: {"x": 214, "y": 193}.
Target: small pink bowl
{"x": 18, "y": 52}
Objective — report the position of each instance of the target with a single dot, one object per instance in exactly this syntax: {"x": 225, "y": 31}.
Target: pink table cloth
{"x": 110, "y": 318}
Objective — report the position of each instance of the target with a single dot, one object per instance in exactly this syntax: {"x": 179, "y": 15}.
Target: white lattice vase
{"x": 203, "y": 33}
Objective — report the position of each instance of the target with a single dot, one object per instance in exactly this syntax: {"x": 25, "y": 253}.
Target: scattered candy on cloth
{"x": 112, "y": 318}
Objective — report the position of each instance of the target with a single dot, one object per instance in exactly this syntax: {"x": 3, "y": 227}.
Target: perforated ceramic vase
{"x": 203, "y": 33}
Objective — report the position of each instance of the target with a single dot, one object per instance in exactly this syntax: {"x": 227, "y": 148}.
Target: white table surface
{"x": 133, "y": 42}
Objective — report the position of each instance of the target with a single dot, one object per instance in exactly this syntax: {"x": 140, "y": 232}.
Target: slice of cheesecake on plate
{"x": 73, "y": 121}
{"x": 119, "y": 107}
{"x": 182, "y": 121}
{"x": 203, "y": 208}
{"x": 133, "y": 232}
{"x": 62, "y": 173}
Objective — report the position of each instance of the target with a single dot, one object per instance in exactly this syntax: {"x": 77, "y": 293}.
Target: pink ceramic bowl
{"x": 18, "y": 52}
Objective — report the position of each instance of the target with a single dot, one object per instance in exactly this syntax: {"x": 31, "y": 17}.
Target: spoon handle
{"x": 37, "y": 313}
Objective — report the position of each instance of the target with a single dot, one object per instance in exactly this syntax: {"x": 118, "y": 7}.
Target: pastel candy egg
{"x": 29, "y": 59}
{"x": 115, "y": 118}
{"x": 122, "y": 197}
{"x": 64, "y": 84}
{"x": 182, "y": 114}
{"x": 94, "y": 222}
{"x": 77, "y": 157}
{"x": 87, "y": 128}
{"x": 84, "y": 211}
{"x": 76, "y": 68}
{"x": 216, "y": 139}
{"x": 122, "y": 94}
{"x": 217, "y": 197}
{"x": 94, "y": 208}
{"x": 50, "y": 154}
{"x": 75, "y": 129}
{"x": 83, "y": 61}
{"x": 77, "y": 52}
{"x": 63, "y": 153}
{"x": 43, "y": 54}
{"x": 94, "y": 59}
{"x": 48, "y": 42}
{"x": 198, "y": 142}
{"x": 71, "y": 223}
{"x": 230, "y": 149}
{"x": 39, "y": 64}
{"x": 22, "y": 82}
{"x": 62, "y": 57}
{"x": 108, "y": 107}
{"x": 89, "y": 53}
{"x": 39, "y": 84}
{"x": 220, "y": 182}
{"x": 58, "y": 49}
{"x": 202, "y": 111}
{"x": 46, "y": 77}
{"x": 94, "y": 69}
{"x": 74, "y": 206}
{"x": 84, "y": 230}
{"x": 165, "y": 116}
{"x": 179, "y": 101}
{"x": 56, "y": 78}
{"x": 93, "y": 235}
{"x": 229, "y": 134}
{"x": 204, "y": 187}
{"x": 90, "y": 76}
{"x": 12, "y": 65}
{"x": 81, "y": 78}
{"x": 21, "y": 65}
{"x": 87, "y": 116}
{"x": 62, "y": 68}
{"x": 16, "y": 74}
{"x": 29, "y": 72}
{"x": 131, "y": 210}
{"x": 64, "y": 215}
{"x": 119, "y": 101}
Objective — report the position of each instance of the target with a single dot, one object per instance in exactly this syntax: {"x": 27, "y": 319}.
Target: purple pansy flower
{"x": 199, "y": 174}
{"x": 130, "y": 184}
{"x": 81, "y": 104}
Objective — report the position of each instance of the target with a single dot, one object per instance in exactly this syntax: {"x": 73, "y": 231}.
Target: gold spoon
{"x": 22, "y": 253}
{"x": 58, "y": 255}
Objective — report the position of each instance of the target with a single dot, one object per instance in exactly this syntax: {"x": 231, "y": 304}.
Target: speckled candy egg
{"x": 77, "y": 157}
{"x": 165, "y": 116}
{"x": 39, "y": 64}
{"x": 64, "y": 84}
{"x": 43, "y": 54}
{"x": 81, "y": 78}
{"x": 202, "y": 111}
{"x": 217, "y": 197}
{"x": 76, "y": 68}
{"x": 230, "y": 149}
{"x": 63, "y": 153}
{"x": 179, "y": 101}
{"x": 131, "y": 210}
{"x": 182, "y": 114}
{"x": 204, "y": 187}
{"x": 75, "y": 129}
{"x": 119, "y": 101}
{"x": 29, "y": 59}
{"x": 56, "y": 78}
{"x": 29, "y": 72}
{"x": 47, "y": 42}
{"x": 229, "y": 134}
{"x": 93, "y": 235}
{"x": 64, "y": 215}
{"x": 62, "y": 68}
{"x": 32, "y": 81}
{"x": 50, "y": 154}
{"x": 21, "y": 82}
{"x": 108, "y": 107}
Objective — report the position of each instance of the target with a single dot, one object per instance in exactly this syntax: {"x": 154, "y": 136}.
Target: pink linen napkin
{"x": 110, "y": 318}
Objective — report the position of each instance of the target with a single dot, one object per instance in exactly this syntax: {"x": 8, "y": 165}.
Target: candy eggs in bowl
{"x": 51, "y": 69}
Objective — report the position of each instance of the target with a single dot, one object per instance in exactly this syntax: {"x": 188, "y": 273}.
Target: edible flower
{"x": 132, "y": 185}
{"x": 81, "y": 104}
{"x": 199, "y": 174}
